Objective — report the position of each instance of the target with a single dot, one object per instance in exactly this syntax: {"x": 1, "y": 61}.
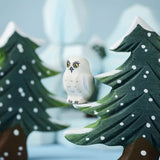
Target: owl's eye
{"x": 68, "y": 63}
{"x": 75, "y": 64}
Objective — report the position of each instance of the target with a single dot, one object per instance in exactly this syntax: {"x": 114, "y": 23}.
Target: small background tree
{"x": 130, "y": 113}
{"x": 23, "y": 98}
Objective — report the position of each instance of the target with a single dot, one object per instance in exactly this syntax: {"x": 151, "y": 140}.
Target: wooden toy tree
{"x": 23, "y": 98}
{"x": 130, "y": 113}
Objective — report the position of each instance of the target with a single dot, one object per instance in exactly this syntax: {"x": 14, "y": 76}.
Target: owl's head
{"x": 77, "y": 64}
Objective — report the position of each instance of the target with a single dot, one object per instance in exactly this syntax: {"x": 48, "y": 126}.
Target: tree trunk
{"x": 13, "y": 144}
{"x": 141, "y": 149}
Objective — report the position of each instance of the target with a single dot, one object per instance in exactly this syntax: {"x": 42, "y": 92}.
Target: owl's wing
{"x": 88, "y": 84}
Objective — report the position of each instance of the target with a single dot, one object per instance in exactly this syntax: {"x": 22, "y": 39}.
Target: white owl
{"x": 78, "y": 81}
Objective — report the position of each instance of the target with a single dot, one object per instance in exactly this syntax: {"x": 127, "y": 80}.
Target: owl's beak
{"x": 71, "y": 69}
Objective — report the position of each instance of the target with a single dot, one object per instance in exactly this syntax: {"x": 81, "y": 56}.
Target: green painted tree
{"x": 23, "y": 98}
{"x": 130, "y": 113}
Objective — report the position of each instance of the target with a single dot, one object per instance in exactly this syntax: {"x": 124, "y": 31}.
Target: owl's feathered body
{"x": 78, "y": 81}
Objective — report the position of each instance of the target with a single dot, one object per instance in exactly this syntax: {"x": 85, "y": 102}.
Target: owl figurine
{"x": 78, "y": 81}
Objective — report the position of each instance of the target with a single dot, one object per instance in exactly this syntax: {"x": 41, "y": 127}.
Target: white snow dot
{"x": 35, "y": 127}
{"x": 116, "y": 96}
{"x": 16, "y": 132}
{"x": 134, "y": 67}
{"x": 30, "y": 99}
{"x": 18, "y": 116}
{"x": 95, "y": 112}
{"x": 35, "y": 110}
{"x": 87, "y": 139}
{"x": 102, "y": 138}
{"x": 121, "y": 124}
{"x": 1, "y": 89}
{"x": 20, "y": 48}
{"x": 24, "y": 67}
{"x": 119, "y": 81}
{"x": 143, "y": 46}
{"x": 23, "y": 94}
{"x": 20, "y": 148}
{"x": 10, "y": 109}
{"x": 33, "y": 61}
{"x": 2, "y": 73}
{"x": 39, "y": 74}
{"x": 19, "y": 153}
{"x": 144, "y": 136}
{"x": 6, "y": 154}
{"x": 123, "y": 138}
{"x": 48, "y": 128}
{"x": 40, "y": 99}
{"x": 32, "y": 82}
{"x": 20, "y": 71}
{"x": 132, "y": 115}
{"x": 148, "y": 125}
{"x": 20, "y": 110}
{"x": 11, "y": 61}
{"x": 143, "y": 153}
{"x": 144, "y": 76}
{"x": 1, "y": 104}
{"x": 1, "y": 158}
{"x": 7, "y": 81}
{"x": 149, "y": 34}
{"x": 147, "y": 72}
{"x": 150, "y": 99}
{"x": 20, "y": 89}
{"x": 159, "y": 60}
{"x": 145, "y": 90}
{"x": 153, "y": 117}
{"x": 48, "y": 72}
{"x": 146, "y": 50}
{"x": 107, "y": 110}
{"x": 133, "y": 88}
{"x": 121, "y": 104}
{"x": 9, "y": 96}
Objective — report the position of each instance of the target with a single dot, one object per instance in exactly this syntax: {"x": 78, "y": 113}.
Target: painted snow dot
{"x": 102, "y": 138}
{"x": 119, "y": 81}
{"x": 107, "y": 110}
{"x": 159, "y": 60}
{"x": 7, "y": 81}
{"x": 87, "y": 139}
{"x": 11, "y": 62}
{"x": 48, "y": 128}
{"x": 133, "y": 88}
{"x": 143, "y": 46}
{"x": 147, "y": 72}
{"x": 20, "y": 48}
{"x": 20, "y": 89}
{"x": 132, "y": 115}
{"x": 123, "y": 138}
{"x": 24, "y": 67}
{"x": 1, "y": 89}
{"x": 121, "y": 124}
{"x": 9, "y": 96}
{"x": 40, "y": 99}
{"x": 144, "y": 76}
{"x": 144, "y": 136}
{"x": 16, "y": 132}
{"x": 6, "y": 154}
{"x": 150, "y": 99}
{"x": 10, "y": 109}
{"x": 35, "y": 127}
{"x": 2, "y": 73}
{"x": 33, "y": 61}
{"x": 153, "y": 118}
{"x": 23, "y": 94}
{"x": 121, "y": 104}
{"x": 1, "y": 104}
{"x": 19, "y": 153}
{"x": 20, "y": 71}
{"x": 48, "y": 72}
{"x": 143, "y": 153}
{"x": 116, "y": 96}
{"x": 18, "y": 116}
{"x": 146, "y": 50}
{"x": 39, "y": 74}
{"x": 95, "y": 112}
{"x": 20, "y": 110}
{"x": 20, "y": 148}
{"x": 148, "y": 125}
{"x": 32, "y": 82}
{"x": 134, "y": 67}
{"x": 1, "y": 158}
{"x": 35, "y": 110}
{"x": 149, "y": 34}
{"x": 30, "y": 99}
{"x": 145, "y": 90}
